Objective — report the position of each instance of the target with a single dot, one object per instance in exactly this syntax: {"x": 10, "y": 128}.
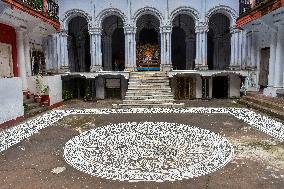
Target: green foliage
{"x": 41, "y": 88}
{"x": 88, "y": 93}
{"x": 66, "y": 95}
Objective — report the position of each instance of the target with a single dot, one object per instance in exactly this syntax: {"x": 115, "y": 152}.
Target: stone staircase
{"x": 32, "y": 107}
{"x": 271, "y": 106}
{"x": 149, "y": 90}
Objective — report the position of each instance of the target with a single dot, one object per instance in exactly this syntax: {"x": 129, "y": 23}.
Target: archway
{"x": 148, "y": 43}
{"x": 79, "y": 45}
{"x": 183, "y": 42}
{"x": 113, "y": 42}
{"x": 219, "y": 42}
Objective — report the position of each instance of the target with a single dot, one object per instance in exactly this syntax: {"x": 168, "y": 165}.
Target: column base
{"x": 234, "y": 67}
{"x": 201, "y": 67}
{"x": 250, "y": 68}
{"x": 64, "y": 69}
{"x": 130, "y": 69}
{"x": 96, "y": 68}
{"x": 166, "y": 68}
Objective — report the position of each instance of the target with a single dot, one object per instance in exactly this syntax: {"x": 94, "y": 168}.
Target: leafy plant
{"x": 88, "y": 93}
{"x": 41, "y": 88}
{"x": 66, "y": 95}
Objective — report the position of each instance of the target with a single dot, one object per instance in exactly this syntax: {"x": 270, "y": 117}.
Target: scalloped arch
{"x": 227, "y": 11}
{"x": 185, "y": 10}
{"x": 148, "y": 10}
{"x": 110, "y": 12}
{"x": 70, "y": 14}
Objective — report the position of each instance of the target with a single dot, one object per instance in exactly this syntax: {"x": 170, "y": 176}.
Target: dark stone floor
{"x": 258, "y": 161}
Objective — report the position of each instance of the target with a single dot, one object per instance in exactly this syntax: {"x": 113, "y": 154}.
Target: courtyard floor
{"x": 39, "y": 162}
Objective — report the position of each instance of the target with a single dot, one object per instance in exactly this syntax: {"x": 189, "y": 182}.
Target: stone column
{"x": 107, "y": 53}
{"x": 27, "y": 55}
{"x": 201, "y": 47}
{"x": 96, "y": 52}
{"x": 248, "y": 48}
{"x": 216, "y": 55}
{"x": 130, "y": 48}
{"x": 64, "y": 60}
{"x": 243, "y": 49}
{"x": 235, "y": 48}
{"x": 189, "y": 41}
{"x": 253, "y": 50}
{"x": 166, "y": 62}
{"x": 21, "y": 59}
{"x": 269, "y": 91}
{"x": 278, "y": 69}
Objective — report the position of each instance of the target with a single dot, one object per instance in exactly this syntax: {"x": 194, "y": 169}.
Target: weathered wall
{"x": 11, "y": 95}
{"x": 55, "y": 87}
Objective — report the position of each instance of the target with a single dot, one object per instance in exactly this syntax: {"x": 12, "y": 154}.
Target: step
{"x": 150, "y": 80}
{"x": 148, "y": 101}
{"x": 149, "y": 97}
{"x": 269, "y": 111}
{"x": 155, "y": 74}
{"x": 29, "y": 100}
{"x": 166, "y": 89}
{"x": 165, "y": 105}
{"x": 265, "y": 103}
{"x": 147, "y": 93}
{"x": 147, "y": 77}
{"x": 32, "y": 105}
{"x": 149, "y": 85}
{"x": 35, "y": 111}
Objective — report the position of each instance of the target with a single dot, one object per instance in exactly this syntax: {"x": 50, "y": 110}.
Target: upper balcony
{"x": 47, "y": 10}
{"x": 251, "y": 10}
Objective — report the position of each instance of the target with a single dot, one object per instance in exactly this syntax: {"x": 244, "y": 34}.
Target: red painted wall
{"x": 8, "y": 35}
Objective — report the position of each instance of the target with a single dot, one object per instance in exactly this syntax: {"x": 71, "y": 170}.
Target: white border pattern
{"x": 148, "y": 151}
{"x": 14, "y": 135}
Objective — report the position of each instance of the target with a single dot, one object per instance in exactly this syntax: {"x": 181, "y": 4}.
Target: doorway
{"x": 220, "y": 87}
{"x": 264, "y": 68}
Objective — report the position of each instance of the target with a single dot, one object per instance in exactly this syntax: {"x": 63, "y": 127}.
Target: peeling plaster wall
{"x": 55, "y": 87}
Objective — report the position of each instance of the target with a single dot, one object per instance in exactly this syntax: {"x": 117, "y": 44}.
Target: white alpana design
{"x": 14, "y": 135}
{"x": 148, "y": 152}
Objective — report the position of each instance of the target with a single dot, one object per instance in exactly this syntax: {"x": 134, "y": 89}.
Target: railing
{"x": 48, "y": 7}
{"x": 52, "y": 9}
{"x": 247, "y": 5}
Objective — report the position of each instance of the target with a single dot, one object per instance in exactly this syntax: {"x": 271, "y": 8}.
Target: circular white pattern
{"x": 148, "y": 152}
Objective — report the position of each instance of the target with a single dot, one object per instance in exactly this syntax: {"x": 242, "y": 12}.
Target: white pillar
{"x": 270, "y": 91}
{"x": 107, "y": 53}
{"x": 21, "y": 59}
{"x": 201, "y": 48}
{"x": 130, "y": 48}
{"x": 244, "y": 49}
{"x": 64, "y": 61}
{"x": 28, "y": 55}
{"x": 278, "y": 71}
{"x": 96, "y": 52}
{"x": 253, "y": 50}
{"x": 235, "y": 48}
{"x": 272, "y": 58}
{"x": 166, "y": 62}
{"x": 248, "y": 48}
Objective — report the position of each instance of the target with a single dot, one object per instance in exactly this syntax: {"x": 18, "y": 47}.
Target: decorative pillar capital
{"x": 95, "y": 31}
{"x": 129, "y": 30}
{"x": 234, "y": 29}
{"x": 165, "y": 29}
{"x": 201, "y": 29}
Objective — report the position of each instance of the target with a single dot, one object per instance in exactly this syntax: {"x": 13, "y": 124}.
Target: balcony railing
{"x": 46, "y": 7}
{"x": 247, "y": 5}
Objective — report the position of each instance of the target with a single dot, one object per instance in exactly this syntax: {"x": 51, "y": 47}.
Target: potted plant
{"x": 41, "y": 89}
